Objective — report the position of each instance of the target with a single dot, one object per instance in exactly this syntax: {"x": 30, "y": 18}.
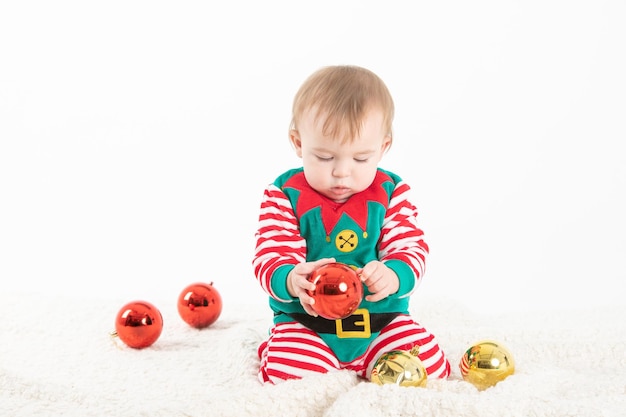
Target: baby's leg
{"x": 402, "y": 334}
{"x": 293, "y": 351}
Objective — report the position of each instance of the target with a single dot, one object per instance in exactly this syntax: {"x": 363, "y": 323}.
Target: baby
{"x": 341, "y": 207}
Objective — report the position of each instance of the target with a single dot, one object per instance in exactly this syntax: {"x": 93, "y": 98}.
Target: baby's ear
{"x": 296, "y": 142}
{"x": 386, "y": 143}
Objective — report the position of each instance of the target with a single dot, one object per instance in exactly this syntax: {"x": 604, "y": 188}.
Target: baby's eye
{"x": 361, "y": 159}
{"x": 325, "y": 158}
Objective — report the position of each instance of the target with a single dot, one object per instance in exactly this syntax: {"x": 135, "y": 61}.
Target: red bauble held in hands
{"x": 138, "y": 324}
{"x": 199, "y": 305}
{"x": 338, "y": 291}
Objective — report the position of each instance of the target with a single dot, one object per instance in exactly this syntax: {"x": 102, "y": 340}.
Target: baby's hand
{"x": 380, "y": 280}
{"x": 298, "y": 283}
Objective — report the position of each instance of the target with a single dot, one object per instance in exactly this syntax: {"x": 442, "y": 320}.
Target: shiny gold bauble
{"x": 400, "y": 367}
{"x": 486, "y": 363}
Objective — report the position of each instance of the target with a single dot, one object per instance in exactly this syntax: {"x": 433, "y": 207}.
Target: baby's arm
{"x": 280, "y": 259}
{"x": 401, "y": 246}
{"x": 279, "y": 246}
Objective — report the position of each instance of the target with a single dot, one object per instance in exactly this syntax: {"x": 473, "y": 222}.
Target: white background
{"x": 136, "y": 139}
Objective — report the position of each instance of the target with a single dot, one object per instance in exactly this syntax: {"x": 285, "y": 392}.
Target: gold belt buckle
{"x": 364, "y": 323}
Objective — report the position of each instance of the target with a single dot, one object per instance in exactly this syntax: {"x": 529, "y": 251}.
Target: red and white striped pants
{"x": 292, "y": 351}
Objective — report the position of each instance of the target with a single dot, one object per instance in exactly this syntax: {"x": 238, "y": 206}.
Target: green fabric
{"x": 348, "y": 242}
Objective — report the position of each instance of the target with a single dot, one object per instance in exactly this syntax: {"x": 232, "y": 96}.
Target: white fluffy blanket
{"x": 57, "y": 358}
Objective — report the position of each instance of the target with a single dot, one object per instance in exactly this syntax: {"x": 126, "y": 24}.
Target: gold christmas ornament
{"x": 401, "y": 367}
{"x": 486, "y": 363}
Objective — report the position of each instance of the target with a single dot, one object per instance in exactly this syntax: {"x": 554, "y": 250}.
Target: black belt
{"x": 361, "y": 324}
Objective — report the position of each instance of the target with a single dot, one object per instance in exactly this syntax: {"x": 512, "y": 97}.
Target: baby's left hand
{"x": 379, "y": 280}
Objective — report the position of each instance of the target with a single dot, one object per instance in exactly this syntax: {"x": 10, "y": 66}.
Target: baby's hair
{"x": 343, "y": 94}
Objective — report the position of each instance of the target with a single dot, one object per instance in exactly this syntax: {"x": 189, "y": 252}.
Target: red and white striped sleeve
{"x": 278, "y": 239}
{"x": 401, "y": 238}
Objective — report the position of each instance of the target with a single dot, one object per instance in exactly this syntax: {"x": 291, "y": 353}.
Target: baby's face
{"x": 339, "y": 169}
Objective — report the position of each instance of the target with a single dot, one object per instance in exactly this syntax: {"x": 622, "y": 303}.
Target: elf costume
{"x": 297, "y": 223}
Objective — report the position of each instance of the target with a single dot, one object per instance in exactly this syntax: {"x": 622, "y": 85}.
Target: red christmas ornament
{"x": 199, "y": 305}
{"x": 138, "y": 324}
{"x": 338, "y": 291}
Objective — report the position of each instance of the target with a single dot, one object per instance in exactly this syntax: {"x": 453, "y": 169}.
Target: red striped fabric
{"x": 293, "y": 351}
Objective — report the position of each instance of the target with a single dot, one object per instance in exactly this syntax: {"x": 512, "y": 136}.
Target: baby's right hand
{"x": 298, "y": 283}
